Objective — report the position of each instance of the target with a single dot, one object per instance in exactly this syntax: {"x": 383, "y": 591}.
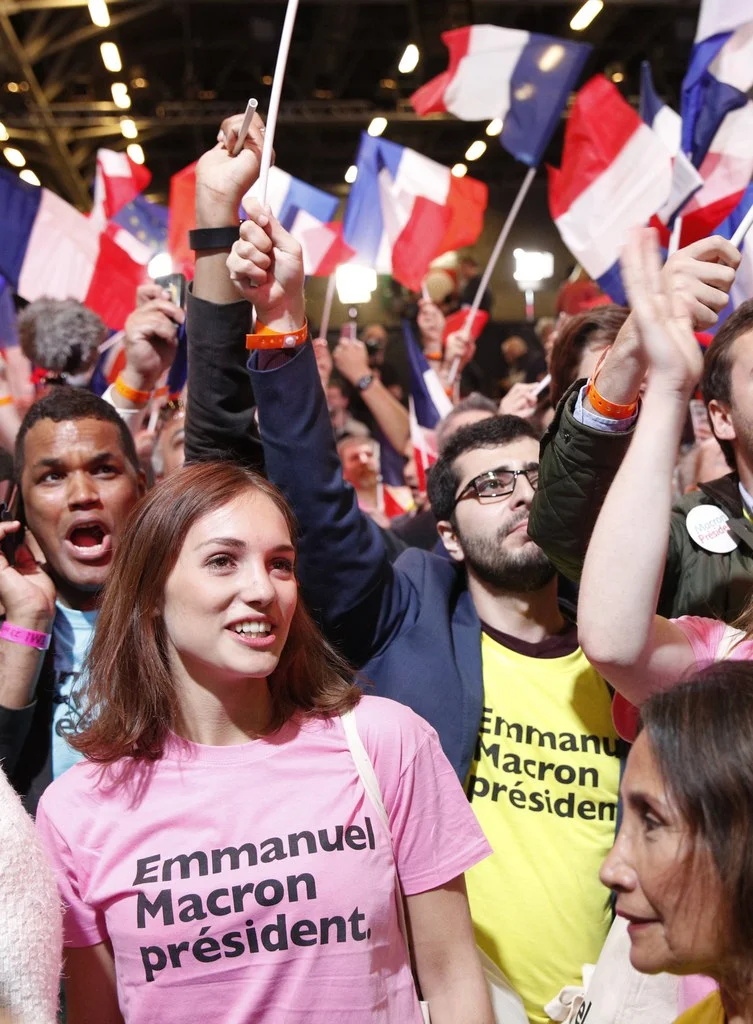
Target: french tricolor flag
{"x": 615, "y": 175}
{"x": 523, "y": 78}
{"x": 48, "y": 248}
{"x": 404, "y": 210}
{"x": 667, "y": 126}
{"x": 720, "y": 74}
{"x": 427, "y": 405}
{"x": 307, "y": 212}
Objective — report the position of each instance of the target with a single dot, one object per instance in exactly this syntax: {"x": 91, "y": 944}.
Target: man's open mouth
{"x": 89, "y": 542}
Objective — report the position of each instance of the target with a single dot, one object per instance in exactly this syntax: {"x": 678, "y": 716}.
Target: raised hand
{"x": 223, "y": 179}
{"x": 266, "y": 266}
{"x": 27, "y": 593}
{"x": 150, "y": 342}
{"x": 661, "y": 315}
{"x": 702, "y": 274}
{"x": 351, "y": 359}
{"x": 520, "y": 400}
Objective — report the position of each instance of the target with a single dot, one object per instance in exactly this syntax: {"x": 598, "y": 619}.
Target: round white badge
{"x": 707, "y": 525}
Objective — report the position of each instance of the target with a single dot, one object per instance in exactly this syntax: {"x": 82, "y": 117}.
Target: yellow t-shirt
{"x": 709, "y": 1011}
{"x": 544, "y": 785}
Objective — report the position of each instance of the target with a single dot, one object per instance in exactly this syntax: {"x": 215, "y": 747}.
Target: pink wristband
{"x": 27, "y": 637}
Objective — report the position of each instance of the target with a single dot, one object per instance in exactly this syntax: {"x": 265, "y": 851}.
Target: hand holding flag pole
{"x": 743, "y": 228}
{"x": 327, "y": 311}
{"x": 496, "y": 253}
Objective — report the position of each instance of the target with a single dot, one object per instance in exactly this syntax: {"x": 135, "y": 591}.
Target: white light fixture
{"x": 354, "y": 284}
{"x": 532, "y": 268}
{"x": 495, "y": 127}
{"x": 98, "y": 13}
{"x": 409, "y": 60}
{"x": 29, "y": 176}
{"x": 128, "y": 128}
{"x": 618, "y": 76}
{"x": 111, "y": 56}
{"x": 135, "y": 152}
{"x": 583, "y": 18}
{"x": 351, "y": 174}
{"x": 160, "y": 265}
{"x": 14, "y": 156}
{"x": 377, "y": 126}
{"x": 551, "y": 57}
{"x": 475, "y": 150}
{"x": 3, "y": 133}
{"x": 120, "y": 95}
{"x": 458, "y": 170}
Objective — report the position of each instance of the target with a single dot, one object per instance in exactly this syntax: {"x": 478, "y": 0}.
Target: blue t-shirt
{"x": 73, "y": 632}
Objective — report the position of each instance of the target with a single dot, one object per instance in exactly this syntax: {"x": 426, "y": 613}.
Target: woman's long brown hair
{"x": 131, "y": 701}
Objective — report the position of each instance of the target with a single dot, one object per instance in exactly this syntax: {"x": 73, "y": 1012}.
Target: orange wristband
{"x": 600, "y": 404}
{"x": 131, "y": 394}
{"x": 6, "y": 400}
{"x": 435, "y": 356}
{"x": 266, "y": 338}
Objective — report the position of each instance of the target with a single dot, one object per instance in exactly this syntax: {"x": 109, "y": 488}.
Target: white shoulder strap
{"x": 729, "y": 640}
{"x": 370, "y": 782}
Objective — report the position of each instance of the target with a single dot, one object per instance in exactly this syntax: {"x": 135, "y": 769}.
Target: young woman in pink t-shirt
{"x": 217, "y": 853}
{"x": 637, "y": 651}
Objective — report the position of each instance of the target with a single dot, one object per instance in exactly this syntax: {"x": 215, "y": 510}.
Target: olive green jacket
{"x": 578, "y": 464}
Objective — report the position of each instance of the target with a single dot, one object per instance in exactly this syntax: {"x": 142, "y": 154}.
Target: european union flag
{"x": 146, "y": 221}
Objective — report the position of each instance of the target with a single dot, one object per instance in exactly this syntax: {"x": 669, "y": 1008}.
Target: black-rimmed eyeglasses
{"x": 497, "y": 483}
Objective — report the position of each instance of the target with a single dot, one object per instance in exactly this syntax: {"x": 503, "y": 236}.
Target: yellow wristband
{"x": 266, "y": 338}
{"x": 6, "y": 400}
{"x": 131, "y": 394}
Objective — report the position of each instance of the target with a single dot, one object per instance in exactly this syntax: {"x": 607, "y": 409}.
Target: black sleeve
{"x": 220, "y": 420}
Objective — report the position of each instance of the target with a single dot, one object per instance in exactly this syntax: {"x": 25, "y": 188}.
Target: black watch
{"x": 365, "y": 381}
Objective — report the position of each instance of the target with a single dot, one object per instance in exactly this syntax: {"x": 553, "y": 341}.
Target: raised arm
{"x": 636, "y": 650}
{"x": 352, "y": 362}
{"x": 344, "y": 571}
{"x": 581, "y": 452}
{"x": 219, "y": 414}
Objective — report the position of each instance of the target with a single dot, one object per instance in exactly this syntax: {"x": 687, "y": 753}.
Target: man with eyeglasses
{"x": 476, "y": 644}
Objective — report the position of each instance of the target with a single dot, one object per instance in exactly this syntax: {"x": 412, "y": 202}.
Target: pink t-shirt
{"x": 708, "y": 643}
{"x": 255, "y": 882}
{"x": 705, "y": 637}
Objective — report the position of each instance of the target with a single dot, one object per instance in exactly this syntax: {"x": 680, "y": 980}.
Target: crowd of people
{"x": 496, "y": 719}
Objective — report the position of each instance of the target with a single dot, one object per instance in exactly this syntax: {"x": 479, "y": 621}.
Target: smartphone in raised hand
{"x": 9, "y": 511}
{"x": 177, "y": 285}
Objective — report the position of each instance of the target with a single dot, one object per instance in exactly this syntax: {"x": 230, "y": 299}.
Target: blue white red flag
{"x": 404, "y": 210}
{"x": 667, "y": 126}
{"x": 48, "y": 248}
{"x": 720, "y": 73}
{"x": 616, "y": 174}
{"x": 522, "y": 78}
{"x": 427, "y": 405}
{"x": 742, "y": 289}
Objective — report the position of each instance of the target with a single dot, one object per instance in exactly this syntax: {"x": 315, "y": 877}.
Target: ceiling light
{"x": 135, "y": 152}
{"x": 377, "y": 126}
{"x": 409, "y": 60}
{"x": 98, "y": 13}
{"x": 351, "y": 174}
{"x": 495, "y": 126}
{"x": 354, "y": 283}
{"x": 12, "y": 86}
{"x": 111, "y": 56}
{"x": 3, "y": 133}
{"x": 139, "y": 83}
{"x": 120, "y": 95}
{"x": 551, "y": 57}
{"x": 583, "y": 18}
{"x": 266, "y": 79}
{"x": 29, "y": 176}
{"x": 14, "y": 156}
{"x": 617, "y": 77}
{"x": 458, "y": 170}
{"x": 128, "y": 128}
{"x": 475, "y": 150}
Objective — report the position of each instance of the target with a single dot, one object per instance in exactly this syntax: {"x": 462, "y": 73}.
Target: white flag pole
{"x": 742, "y": 229}
{"x": 274, "y": 99}
{"x": 327, "y": 311}
{"x": 496, "y": 253}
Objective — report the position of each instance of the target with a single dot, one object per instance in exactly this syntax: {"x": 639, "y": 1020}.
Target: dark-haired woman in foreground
{"x": 682, "y": 865}
{"x": 217, "y": 853}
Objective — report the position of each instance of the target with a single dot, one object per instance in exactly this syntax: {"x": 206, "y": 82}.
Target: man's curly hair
{"x": 60, "y": 335}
